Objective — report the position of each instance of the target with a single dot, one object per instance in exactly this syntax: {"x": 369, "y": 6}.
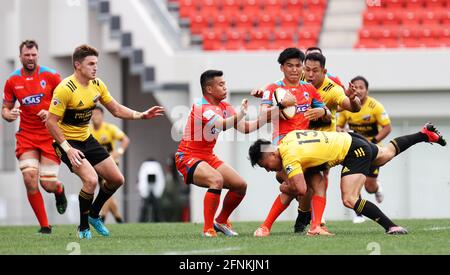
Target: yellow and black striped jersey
{"x": 74, "y": 103}
{"x": 332, "y": 95}
{"x": 303, "y": 149}
{"x": 368, "y": 121}
{"x": 107, "y": 135}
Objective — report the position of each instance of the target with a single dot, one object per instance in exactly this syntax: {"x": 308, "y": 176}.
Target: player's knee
{"x": 241, "y": 188}
{"x": 348, "y": 201}
{"x": 371, "y": 187}
{"x": 30, "y": 177}
{"x": 301, "y": 190}
{"x": 49, "y": 186}
{"x": 90, "y": 183}
{"x": 117, "y": 181}
{"x": 216, "y": 182}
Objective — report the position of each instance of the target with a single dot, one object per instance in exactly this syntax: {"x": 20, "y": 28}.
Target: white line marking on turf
{"x": 437, "y": 228}
{"x": 205, "y": 251}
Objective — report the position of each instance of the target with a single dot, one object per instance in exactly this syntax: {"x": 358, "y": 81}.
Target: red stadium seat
{"x": 231, "y": 7}
{"x": 266, "y": 21}
{"x": 370, "y": 33}
{"x": 244, "y": 21}
{"x": 411, "y": 17}
{"x": 312, "y": 19}
{"x": 415, "y": 4}
{"x": 289, "y": 20}
{"x": 435, "y": 4}
{"x": 295, "y": 4}
{"x": 371, "y": 18}
{"x": 198, "y": 23}
{"x": 284, "y": 36}
{"x": 395, "y": 4}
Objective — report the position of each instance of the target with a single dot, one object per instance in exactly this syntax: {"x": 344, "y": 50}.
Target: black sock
{"x": 404, "y": 142}
{"x": 85, "y": 200}
{"x": 371, "y": 211}
{"x": 304, "y": 217}
{"x": 103, "y": 195}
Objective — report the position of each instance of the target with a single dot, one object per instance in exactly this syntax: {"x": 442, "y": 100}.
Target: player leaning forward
{"x": 70, "y": 111}
{"x": 300, "y": 150}
{"x": 195, "y": 158}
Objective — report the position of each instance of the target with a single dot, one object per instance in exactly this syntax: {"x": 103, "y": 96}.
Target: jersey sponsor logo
{"x": 367, "y": 117}
{"x": 19, "y": 87}
{"x": 301, "y": 108}
{"x": 209, "y": 114}
{"x": 29, "y": 78}
{"x": 56, "y": 101}
{"x": 289, "y": 169}
{"x": 43, "y": 84}
{"x": 32, "y": 100}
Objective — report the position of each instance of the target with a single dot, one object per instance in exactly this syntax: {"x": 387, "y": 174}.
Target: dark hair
{"x": 317, "y": 57}
{"x": 82, "y": 52}
{"x": 314, "y": 49}
{"x": 29, "y": 44}
{"x": 290, "y": 53}
{"x": 207, "y": 76}
{"x": 255, "y": 151}
{"x": 100, "y": 108}
{"x": 356, "y": 78}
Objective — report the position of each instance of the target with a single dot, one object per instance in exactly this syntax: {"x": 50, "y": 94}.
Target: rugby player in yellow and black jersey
{"x": 68, "y": 122}
{"x": 334, "y": 97}
{"x": 305, "y": 149}
{"x": 372, "y": 122}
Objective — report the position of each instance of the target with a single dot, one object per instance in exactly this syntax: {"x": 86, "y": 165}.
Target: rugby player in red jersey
{"x": 32, "y": 86}
{"x": 309, "y": 107}
{"x": 195, "y": 158}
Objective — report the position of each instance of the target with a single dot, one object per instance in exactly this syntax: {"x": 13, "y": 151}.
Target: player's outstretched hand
{"x": 258, "y": 92}
{"x": 43, "y": 115}
{"x": 351, "y": 91}
{"x": 154, "y": 111}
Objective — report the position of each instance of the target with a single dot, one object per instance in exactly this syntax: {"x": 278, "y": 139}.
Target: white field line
{"x": 437, "y": 228}
{"x": 205, "y": 251}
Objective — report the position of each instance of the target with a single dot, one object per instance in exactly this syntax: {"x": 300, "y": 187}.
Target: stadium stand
{"x": 253, "y": 24}
{"x": 405, "y": 24}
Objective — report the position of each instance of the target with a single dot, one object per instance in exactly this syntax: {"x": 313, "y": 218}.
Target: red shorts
{"x": 186, "y": 164}
{"x": 41, "y": 142}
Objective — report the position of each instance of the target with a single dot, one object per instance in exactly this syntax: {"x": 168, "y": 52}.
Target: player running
{"x": 32, "y": 87}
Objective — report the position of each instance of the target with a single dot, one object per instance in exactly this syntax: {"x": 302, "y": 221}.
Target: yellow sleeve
{"x": 117, "y": 133}
{"x": 338, "y": 95}
{"x": 105, "y": 96}
{"x": 381, "y": 115}
{"x": 60, "y": 100}
{"x": 291, "y": 164}
{"x": 341, "y": 119}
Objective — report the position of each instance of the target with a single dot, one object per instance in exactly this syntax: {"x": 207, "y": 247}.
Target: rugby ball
{"x": 288, "y": 112}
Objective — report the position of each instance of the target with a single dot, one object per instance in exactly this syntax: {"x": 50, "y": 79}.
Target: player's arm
{"x": 297, "y": 185}
{"x": 384, "y": 132}
{"x": 9, "y": 113}
{"x": 232, "y": 121}
{"x": 124, "y": 142}
{"x": 250, "y": 126}
{"x": 75, "y": 156}
{"x": 318, "y": 108}
{"x": 340, "y": 122}
{"x": 351, "y": 102}
{"x": 123, "y": 112}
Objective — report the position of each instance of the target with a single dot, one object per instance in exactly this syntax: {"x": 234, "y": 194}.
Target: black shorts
{"x": 374, "y": 171}
{"x": 359, "y": 157}
{"x": 92, "y": 150}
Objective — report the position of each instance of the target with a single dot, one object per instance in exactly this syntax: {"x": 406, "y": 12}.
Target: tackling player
{"x": 301, "y": 150}
{"x": 198, "y": 164}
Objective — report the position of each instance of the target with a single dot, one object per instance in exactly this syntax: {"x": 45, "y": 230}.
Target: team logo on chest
{"x": 306, "y": 95}
{"x": 32, "y": 100}
{"x": 43, "y": 84}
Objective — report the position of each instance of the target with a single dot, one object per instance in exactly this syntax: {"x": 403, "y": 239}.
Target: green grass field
{"x": 426, "y": 237}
